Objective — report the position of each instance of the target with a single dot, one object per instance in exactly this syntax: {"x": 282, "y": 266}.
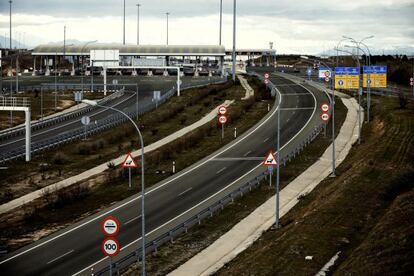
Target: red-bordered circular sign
{"x": 266, "y": 75}
{"x": 325, "y": 107}
{"x": 110, "y": 226}
{"x": 110, "y": 247}
{"x": 266, "y": 81}
{"x": 222, "y": 119}
{"x": 325, "y": 117}
{"x": 222, "y": 110}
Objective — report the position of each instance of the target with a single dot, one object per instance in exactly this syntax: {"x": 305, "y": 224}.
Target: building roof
{"x": 131, "y": 50}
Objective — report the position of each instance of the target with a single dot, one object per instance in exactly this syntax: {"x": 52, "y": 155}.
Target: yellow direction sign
{"x": 346, "y": 78}
{"x": 377, "y": 76}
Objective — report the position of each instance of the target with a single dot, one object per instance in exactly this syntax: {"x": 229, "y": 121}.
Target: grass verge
{"x": 171, "y": 255}
{"x": 56, "y": 210}
{"x": 364, "y": 212}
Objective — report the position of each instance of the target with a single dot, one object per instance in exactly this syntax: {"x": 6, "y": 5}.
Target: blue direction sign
{"x": 374, "y": 69}
{"x": 347, "y": 71}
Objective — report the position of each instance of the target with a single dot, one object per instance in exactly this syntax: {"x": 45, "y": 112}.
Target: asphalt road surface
{"x": 76, "y": 249}
{"x": 146, "y": 88}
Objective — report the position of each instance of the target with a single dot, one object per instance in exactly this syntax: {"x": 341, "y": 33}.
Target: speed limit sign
{"x": 222, "y": 119}
{"x": 325, "y": 117}
{"x": 266, "y": 75}
{"x": 110, "y": 247}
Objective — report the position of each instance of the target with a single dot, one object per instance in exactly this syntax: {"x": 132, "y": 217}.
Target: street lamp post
{"x": 234, "y": 41}
{"x": 221, "y": 20}
{"x": 369, "y": 83}
{"x": 138, "y": 5}
{"x": 167, "y": 14}
{"x": 94, "y": 103}
{"x": 124, "y": 24}
{"x": 10, "y": 2}
{"x": 332, "y": 100}
{"x": 83, "y": 71}
{"x": 359, "y": 94}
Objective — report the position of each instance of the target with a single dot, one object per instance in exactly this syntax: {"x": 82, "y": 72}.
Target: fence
{"x": 101, "y": 125}
{"x": 16, "y": 131}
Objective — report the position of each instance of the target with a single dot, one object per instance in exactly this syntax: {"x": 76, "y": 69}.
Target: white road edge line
{"x": 189, "y": 189}
{"x": 131, "y": 220}
{"x": 66, "y": 124}
{"x": 173, "y": 179}
{"x": 60, "y": 257}
{"x": 156, "y": 229}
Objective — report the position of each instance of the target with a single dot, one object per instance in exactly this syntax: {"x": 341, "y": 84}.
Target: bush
{"x": 59, "y": 159}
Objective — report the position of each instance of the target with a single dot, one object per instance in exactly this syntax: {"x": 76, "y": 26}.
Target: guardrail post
{"x": 155, "y": 247}
{"x": 198, "y": 218}
{"x": 171, "y": 236}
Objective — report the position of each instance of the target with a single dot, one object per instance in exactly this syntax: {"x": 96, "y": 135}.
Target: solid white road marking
{"x": 241, "y": 177}
{"x": 267, "y": 139}
{"x": 131, "y": 220}
{"x": 189, "y": 189}
{"x": 247, "y": 153}
{"x": 60, "y": 257}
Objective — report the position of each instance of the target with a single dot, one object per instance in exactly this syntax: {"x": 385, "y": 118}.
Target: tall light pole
{"x": 369, "y": 78}
{"x": 358, "y": 47}
{"x": 167, "y": 14}
{"x": 94, "y": 103}
{"x": 124, "y": 22}
{"x": 234, "y": 40}
{"x": 359, "y": 92}
{"x": 221, "y": 20}
{"x": 138, "y": 5}
{"x": 332, "y": 100}
{"x": 10, "y": 2}
{"x": 83, "y": 71}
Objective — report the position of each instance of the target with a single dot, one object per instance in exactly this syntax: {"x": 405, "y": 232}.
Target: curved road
{"x": 146, "y": 88}
{"x": 76, "y": 250}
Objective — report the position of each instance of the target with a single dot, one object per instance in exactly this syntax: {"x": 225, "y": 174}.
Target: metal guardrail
{"x": 16, "y": 131}
{"x": 207, "y": 212}
{"x": 219, "y": 204}
{"x": 14, "y": 102}
{"x": 100, "y": 125}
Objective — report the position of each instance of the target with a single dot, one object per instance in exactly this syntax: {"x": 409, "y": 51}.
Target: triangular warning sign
{"x": 129, "y": 162}
{"x": 270, "y": 160}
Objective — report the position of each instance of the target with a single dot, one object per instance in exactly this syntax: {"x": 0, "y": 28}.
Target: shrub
{"x": 59, "y": 159}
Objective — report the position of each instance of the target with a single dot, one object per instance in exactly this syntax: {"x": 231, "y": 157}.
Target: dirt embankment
{"x": 366, "y": 212}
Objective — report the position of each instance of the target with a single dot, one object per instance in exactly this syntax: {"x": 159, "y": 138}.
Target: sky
{"x": 308, "y": 27}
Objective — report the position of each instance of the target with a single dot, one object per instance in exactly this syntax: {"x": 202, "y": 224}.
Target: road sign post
{"x": 85, "y": 120}
{"x": 129, "y": 163}
{"x": 222, "y": 120}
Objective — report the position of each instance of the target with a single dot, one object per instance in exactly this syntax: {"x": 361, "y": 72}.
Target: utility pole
{"x": 277, "y": 223}
{"x": 124, "y": 22}
{"x": 167, "y": 14}
{"x": 138, "y": 5}
{"x": 234, "y": 40}
{"x": 64, "y": 41}
{"x": 221, "y": 20}
{"x": 10, "y": 2}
